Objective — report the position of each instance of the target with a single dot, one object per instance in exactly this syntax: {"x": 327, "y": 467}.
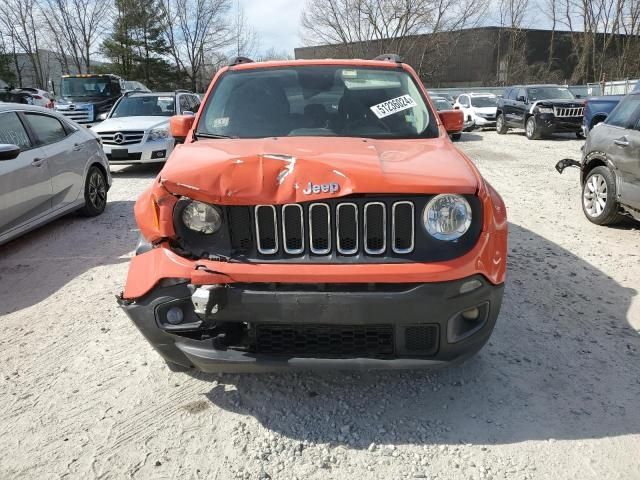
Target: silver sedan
{"x": 49, "y": 166}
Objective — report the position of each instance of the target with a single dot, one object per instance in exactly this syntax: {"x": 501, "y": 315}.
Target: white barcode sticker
{"x": 394, "y": 105}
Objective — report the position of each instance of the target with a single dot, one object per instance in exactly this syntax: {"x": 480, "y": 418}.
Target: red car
{"x": 317, "y": 215}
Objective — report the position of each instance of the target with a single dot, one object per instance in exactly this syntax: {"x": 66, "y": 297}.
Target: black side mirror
{"x": 8, "y": 151}
{"x": 521, "y": 99}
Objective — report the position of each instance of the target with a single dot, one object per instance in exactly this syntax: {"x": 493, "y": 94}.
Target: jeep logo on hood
{"x": 321, "y": 188}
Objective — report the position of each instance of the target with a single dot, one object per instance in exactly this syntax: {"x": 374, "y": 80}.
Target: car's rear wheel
{"x": 599, "y": 197}
{"x": 95, "y": 193}
{"x": 501, "y": 126}
{"x": 531, "y": 129}
{"x": 456, "y": 136}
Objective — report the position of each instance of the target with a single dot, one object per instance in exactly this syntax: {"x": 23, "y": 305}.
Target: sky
{"x": 276, "y": 22}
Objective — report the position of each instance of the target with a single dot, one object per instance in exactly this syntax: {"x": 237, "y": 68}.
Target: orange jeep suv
{"x": 316, "y": 214}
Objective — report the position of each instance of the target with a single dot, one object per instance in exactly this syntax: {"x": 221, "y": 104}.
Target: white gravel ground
{"x": 554, "y": 395}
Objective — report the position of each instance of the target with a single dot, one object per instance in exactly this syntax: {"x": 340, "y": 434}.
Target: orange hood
{"x": 279, "y": 170}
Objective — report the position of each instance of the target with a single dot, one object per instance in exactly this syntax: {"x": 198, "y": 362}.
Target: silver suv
{"x": 49, "y": 166}
{"x": 136, "y": 129}
{"x": 611, "y": 165}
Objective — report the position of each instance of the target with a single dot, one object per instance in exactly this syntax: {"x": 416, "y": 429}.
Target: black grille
{"x": 240, "y": 228}
{"x": 375, "y": 228}
{"x": 320, "y": 228}
{"x": 403, "y": 227}
{"x": 421, "y": 339}
{"x": 327, "y": 340}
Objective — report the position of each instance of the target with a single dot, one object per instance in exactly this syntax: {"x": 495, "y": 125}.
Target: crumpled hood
{"x": 131, "y": 123}
{"x": 296, "y": 169}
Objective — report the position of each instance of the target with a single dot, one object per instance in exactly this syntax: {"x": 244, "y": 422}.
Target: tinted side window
{"x": 12, "y": 131}
{"x": 626, "y": 113}
{"x": 522, "y": 93}
{"x": 47, "y": 129}
{"x": 513, "y": 93}
{"x": 184, "y": 104}
{"x": 195, "y": 103}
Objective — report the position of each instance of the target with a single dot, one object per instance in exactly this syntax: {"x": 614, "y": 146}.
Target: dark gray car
{"x": 49, "y": 166}
{"x": 611, "y": 165}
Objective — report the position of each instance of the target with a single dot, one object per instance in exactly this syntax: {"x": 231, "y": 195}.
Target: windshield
{"x": 317, "y": 101}
{"x": 146, "y": 106}
{"x": 484, "y": 102}
{"x": 549, "y": 93}
{"x": 442, "y": 104}
{"x": 88, "y": 87}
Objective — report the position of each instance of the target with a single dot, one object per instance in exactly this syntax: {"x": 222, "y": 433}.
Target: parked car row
{"x": 27, "y": 96}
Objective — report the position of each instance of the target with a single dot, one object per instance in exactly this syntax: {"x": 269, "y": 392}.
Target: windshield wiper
{"x": 210, "y": 135}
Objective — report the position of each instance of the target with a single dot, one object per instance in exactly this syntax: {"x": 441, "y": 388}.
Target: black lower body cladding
{"x": 266, "y": 327}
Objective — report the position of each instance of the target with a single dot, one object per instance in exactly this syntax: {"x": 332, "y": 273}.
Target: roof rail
{"x": 389, "y": 57}
{"x": 239, "y": 61}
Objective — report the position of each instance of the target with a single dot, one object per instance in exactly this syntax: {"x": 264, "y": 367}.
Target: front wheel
{"x": 456, "y": 136}
{"x": 599, "y": 202}
{"x": 95, "y": 193}
{"x": 531, "y": 129}
{"x": 501, "y": 126}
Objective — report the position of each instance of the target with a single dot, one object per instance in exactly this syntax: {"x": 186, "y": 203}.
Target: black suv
{"x": 540, "y": 110}
{"x": 611, "y": 165}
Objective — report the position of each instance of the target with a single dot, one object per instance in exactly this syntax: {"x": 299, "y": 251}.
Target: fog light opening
{"x": 471, "y": 314}
{"x": 175, "y": 316}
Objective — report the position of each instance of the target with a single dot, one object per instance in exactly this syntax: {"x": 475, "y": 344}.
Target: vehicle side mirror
{"x": 521, "y": 99}
{"x": 578, "y": 96}
{"x": 102, "y": 117}
{"x": 180, "y": 126}
{"x": 457, "y": 107}
{"x": 453, "y": 120}
{"x": 9, "y": 152}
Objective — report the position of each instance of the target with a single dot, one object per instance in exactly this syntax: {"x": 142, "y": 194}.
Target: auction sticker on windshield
{"x": 394, "y": 105}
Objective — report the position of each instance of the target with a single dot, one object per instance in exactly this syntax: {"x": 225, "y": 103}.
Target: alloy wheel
{"x": 594, "y": 195}
{"x": 97, "y": 190}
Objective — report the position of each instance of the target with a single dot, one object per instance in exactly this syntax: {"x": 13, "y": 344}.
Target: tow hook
{"x": 567, "y": 162}
{"x": 208, "y": 299}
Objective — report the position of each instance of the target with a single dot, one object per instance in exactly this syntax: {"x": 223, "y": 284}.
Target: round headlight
{"x": 201, "y": 217}
{"x": 447, "y": 216}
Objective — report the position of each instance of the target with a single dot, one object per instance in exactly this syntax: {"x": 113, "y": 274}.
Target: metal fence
{"x": 618, "y": 87}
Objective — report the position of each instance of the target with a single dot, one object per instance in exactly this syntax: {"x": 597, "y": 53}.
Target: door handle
{"x": 621, "y": 142}
{"x": 77, "y": 147}
{"x": 37, "y": 162}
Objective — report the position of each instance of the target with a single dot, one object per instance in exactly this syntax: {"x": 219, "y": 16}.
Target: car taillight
{"x": 37, "y": 97}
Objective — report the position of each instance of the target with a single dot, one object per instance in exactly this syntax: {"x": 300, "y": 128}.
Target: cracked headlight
{"x": 202, "y": 217}
{"x": 158, "y": 133}
{"x": 545, "y": 109}
{"x": 447, "y": 216}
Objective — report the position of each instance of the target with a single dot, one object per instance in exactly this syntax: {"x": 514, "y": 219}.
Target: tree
{"x": 245, "y": 39}
{"x": 198, "y": 32}
{"x": 137, "y": 46}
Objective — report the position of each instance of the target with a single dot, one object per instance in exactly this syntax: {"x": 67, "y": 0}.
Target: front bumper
{"x": 145, "y": 152}
{"x": 226, "y": 341}
{"x": 548, "y": 123}
{"x": 482, "y": 122}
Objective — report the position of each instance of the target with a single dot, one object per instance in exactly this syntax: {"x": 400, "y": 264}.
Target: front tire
{"x": 531, "y": 129}
{"x": 501, "y": 126}
{"x": 95, "y": 193}
{"x": 456, "y": 136}
{"x": 599, "y": 202}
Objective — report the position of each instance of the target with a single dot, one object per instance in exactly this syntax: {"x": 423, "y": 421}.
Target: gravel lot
{"x": 555, "y": 395}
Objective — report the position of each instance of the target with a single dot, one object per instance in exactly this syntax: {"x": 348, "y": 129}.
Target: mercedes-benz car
{"x": 136, "y": 130}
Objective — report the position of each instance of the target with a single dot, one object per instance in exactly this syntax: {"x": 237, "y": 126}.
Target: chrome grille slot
{"x": 568, "y": 112}
{"x": 293, "y": 228}
{"x": 266, "y": 229}
{"x": 402, "y": 227}
{"x": 320, "y": 228}
{"x": 347, "y": 228}
{"x": 375, "y": 228}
